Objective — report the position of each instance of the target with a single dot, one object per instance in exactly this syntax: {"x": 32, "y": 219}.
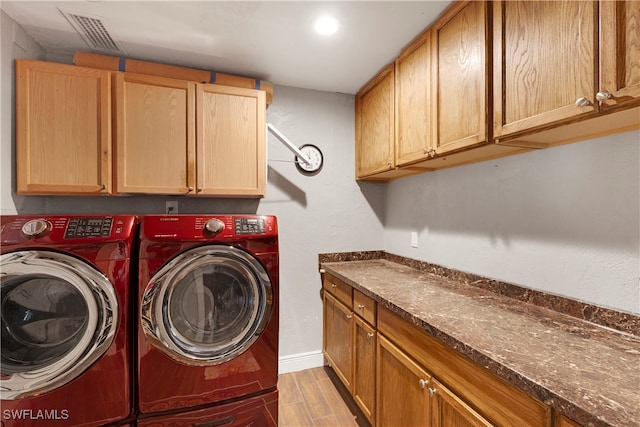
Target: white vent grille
{"x": 94, "y": 31}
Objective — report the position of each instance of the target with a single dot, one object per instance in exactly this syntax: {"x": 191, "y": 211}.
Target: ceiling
{"x": 268, "y": 40}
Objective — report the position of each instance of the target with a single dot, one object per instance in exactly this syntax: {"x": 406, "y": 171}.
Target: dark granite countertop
{"x": 589, "y": 372}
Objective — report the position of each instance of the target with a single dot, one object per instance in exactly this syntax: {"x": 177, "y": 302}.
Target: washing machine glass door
{"x": 59, "y": 315}
{"x": 207, "y": 305}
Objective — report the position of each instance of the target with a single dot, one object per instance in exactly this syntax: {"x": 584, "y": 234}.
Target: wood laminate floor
{"x": 313, "y": 398}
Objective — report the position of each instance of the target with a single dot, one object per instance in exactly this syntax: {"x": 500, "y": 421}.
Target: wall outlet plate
{"x": 171, "y": 207}
{"x": 414, "y": 239}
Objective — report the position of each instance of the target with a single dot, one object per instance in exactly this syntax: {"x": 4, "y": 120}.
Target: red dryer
{"x": 208, "y": 329}
{"x": 66, "y": 332}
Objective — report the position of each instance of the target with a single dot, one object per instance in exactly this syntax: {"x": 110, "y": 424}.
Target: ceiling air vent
{"x": 94, "y": 31}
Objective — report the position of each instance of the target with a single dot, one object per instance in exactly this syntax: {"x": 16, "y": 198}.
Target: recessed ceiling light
{"x": 326, "y": 25}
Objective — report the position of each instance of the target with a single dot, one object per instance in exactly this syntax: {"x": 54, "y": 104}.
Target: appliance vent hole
{"x": 94, "y": 31}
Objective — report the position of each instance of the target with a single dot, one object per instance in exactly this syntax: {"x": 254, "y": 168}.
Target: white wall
{"x": 564, "y": 220}
{"x": 14, "y": 44}
{"x": 328, "y": 212}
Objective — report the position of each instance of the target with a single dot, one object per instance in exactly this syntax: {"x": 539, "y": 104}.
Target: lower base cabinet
{"x": 402, "y": 388}
{"x": 364, "y": 373}
{"x": 401, "y": 376}
{"x": 338, "y": 332}
{"x": 409, "y": 396}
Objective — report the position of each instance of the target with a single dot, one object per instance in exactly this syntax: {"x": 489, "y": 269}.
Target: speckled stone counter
{"x": 589, "y": 372}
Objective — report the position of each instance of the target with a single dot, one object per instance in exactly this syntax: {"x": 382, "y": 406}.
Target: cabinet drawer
{"x": 364, "y": 307}
{"x": 338, "y": 288}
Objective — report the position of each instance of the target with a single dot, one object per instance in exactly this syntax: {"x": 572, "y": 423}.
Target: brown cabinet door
{"x": 413, "y": 102}
{"x": 63, "y": 129}
{"x": 231, "y": 141}
{"x": 364, "y": 383}
{"x": 155, "y": 136}
{"x": 619, "y": 53}
{"x": 461, "y": 72}
{"x": 450, "y": 411}
{"x": 338, "y": 338}
{"x": 375, "y": 127}
{"x": 402, "y": 398}
{"x": 545, "y": 59}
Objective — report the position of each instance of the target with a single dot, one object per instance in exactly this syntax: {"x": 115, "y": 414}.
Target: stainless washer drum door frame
{"x": 175, "y": 316}
{"x": 20, "y": 380}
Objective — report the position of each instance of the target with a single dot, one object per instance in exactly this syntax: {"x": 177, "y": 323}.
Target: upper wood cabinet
{"x": 413, "y": 117}
{"x": 230, "y": 140}
{"x": 544, "y": 61}
{"x": 619, "y": 54}
{"x": 63, "y": 129}
{"x": 375, "y": 125}
{"x": 179, "y": 137}
{"x": 155, "y": 136}
{"x": 460, "y": 81}
{"x": 168, "y": 136}
{"x": 559, "y": 65}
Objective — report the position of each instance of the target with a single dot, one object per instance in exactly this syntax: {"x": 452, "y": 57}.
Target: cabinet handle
{"x": 423, "y": 383}
{"x": 432, "y": 392}
{"x": 582, "y": 102}
{"x": 189, "y": 189}
{"x": 360, "y": 307}
{"x": 348, "y": 316}
{"x": 103, "y": 187}
{"x": 603, "y": 95}
{"x": 199, "y": 189}
{"x": 333, "y": 285}
{"x": 369, "y": 335}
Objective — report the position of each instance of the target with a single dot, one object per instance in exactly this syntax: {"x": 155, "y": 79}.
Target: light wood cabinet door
{"x": 63, "y": 129}
{"x": 231, "y": 141}
{"x": 450, "y": 411}
{"x": 619, "y": 53}
{"x": 155, "y": 137}
{"x": 460, "y": 82}
{"x": 364, "y": 354}
{"x": 338, "y": 338}
{"x": 402, "y": 398}
{"x": 545, "y": 59}
{"x": 413, "y": 116}
{"x": 375, "y": 128}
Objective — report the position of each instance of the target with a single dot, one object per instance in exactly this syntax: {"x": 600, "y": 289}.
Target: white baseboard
{"x": 300, "y": 361}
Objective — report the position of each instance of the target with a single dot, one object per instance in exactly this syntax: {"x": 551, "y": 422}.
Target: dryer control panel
{"x": 249, "y": 225}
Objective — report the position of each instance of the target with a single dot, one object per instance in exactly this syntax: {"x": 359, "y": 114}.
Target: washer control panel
{"x": 88, "y": 227}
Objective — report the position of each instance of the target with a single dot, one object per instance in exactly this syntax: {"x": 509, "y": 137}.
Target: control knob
{"x": 36, "y": 227}
{"x": 214, "y": 226}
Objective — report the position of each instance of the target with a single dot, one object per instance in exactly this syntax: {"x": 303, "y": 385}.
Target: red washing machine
{"x": 208, "y": 330}
{"x": 66, "y": 331}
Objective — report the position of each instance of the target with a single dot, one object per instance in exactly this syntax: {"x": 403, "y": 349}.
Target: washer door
{"x": 207, "y": 305}
{"x": 59, "y": 315}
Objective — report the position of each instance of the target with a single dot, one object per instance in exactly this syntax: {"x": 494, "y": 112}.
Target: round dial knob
{"x": 214, "y": 226}
{"x": 35, "y": 227}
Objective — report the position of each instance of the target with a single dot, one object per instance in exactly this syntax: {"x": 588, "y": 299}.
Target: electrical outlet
{"x": 171, "y": 207}
{"x": 414, "y": 239}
